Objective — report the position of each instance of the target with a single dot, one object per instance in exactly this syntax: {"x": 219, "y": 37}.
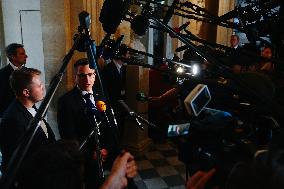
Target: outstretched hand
{"x": 200, "y": 179}
{"x": 123, "y": 167}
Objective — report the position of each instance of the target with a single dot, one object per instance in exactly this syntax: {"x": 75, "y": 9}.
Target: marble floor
{"x": 159, "y": 168}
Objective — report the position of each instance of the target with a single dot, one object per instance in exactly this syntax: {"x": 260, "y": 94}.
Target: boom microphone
{"x": 134, "y": 115}
{"x": 231, "y": 14}
{"x": 179, "y": 29}
{"x": 112, "y": 12}
{"x": 140, "y": 24}
{"x": 170, "y": 12}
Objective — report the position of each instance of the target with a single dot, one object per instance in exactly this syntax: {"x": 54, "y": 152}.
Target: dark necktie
{"x": 91, "y": 108}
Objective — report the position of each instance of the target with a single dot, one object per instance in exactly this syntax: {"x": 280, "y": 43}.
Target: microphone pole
{"x": 90, "y": 48}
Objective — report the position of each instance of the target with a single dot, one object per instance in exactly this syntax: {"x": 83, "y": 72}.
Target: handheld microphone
{"x": 101, "y": 106}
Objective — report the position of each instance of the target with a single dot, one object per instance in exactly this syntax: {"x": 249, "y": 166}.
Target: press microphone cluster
{"x": 139, "y": 119}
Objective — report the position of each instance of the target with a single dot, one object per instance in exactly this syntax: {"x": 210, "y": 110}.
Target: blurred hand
{"x": 123, "y": 167}
{"x": 200, "y": 179}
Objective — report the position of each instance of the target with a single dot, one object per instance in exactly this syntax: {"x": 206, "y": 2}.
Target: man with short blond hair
{"x": 29, "y": 90}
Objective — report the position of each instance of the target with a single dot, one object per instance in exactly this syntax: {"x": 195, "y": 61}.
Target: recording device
{"x": 178, "y": 129}
{"x": 197, "y": 99}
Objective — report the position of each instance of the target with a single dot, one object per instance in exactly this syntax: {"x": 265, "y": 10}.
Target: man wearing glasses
{"x": 75, "y": 122}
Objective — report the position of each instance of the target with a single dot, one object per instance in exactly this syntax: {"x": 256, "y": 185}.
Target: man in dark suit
{"x": 17, "y": 57}
{"x": 114, "y": 75}
{"x": 29, "y": 90}
{"x": 74, "y": 123}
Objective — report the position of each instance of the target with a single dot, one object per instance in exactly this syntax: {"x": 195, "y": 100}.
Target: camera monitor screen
{"x": 178, "y": 129}
{"x": 197, "y": 99}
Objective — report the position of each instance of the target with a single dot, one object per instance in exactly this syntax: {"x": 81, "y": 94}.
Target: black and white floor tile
{"x": 159, "y": 168}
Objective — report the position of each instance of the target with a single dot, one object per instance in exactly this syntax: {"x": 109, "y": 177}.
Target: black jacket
{"x": 14, "y": 124}
{"x": 6, "y": 93}
{"x": 114, "y": 81}
{"x": 75, "y": 124}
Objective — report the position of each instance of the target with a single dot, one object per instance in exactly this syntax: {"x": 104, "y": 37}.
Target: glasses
{"x": 86, "y": 75}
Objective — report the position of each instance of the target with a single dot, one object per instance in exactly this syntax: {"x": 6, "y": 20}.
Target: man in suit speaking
{"x": 74, "y": 122}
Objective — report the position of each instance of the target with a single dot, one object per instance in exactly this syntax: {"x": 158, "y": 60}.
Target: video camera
{"x": 215, "y": 138}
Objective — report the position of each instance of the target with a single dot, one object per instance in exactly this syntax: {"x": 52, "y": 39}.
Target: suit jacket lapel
{"x": 79, "y": 99}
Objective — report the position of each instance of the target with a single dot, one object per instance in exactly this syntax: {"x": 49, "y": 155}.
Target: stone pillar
{"x": 56, "y": 42}
{"x": 209, "y": 31}
{"x": 134, "y": 138}
{"x": 224, "y": 34}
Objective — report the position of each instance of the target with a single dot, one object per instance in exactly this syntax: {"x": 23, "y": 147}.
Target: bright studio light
{"x": 195, "y": 69}
{"x": 180, "y": 70}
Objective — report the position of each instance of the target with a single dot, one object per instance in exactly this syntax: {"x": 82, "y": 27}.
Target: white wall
{"x": 22, "y": 24}
{"x": 11, "y": 17}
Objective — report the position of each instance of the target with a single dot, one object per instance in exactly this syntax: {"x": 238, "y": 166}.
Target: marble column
{"x": 135, "y": 139}
{"x": 224, "y": 34}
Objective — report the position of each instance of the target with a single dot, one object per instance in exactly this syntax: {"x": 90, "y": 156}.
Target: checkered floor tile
{"x": 160, "y": 168}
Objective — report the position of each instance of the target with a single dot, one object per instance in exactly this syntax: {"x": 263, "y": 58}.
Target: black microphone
{"x": 85, "y": 20}
{"x": 140, "y": 24}
{"x": 179, "y": 29}
{"x": 117, "y": 45}
{"x": 170, "y": 12}
{"x": 229, "y": 15}
{"x": 112, "y": 12}
{"x": 133, "y": 114}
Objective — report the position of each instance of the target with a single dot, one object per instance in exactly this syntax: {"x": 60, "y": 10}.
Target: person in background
{"x": 266, "y": 65}
{"x": 114, "y": 75}
{"x": 17, "y": 56}
{"x": 234, "y": 41}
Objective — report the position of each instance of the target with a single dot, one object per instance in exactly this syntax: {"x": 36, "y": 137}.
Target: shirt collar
{"x": 117, "y": 65}
{"x": 13, "y": 66}
{"x": 32, "y": 111}
{"x": 84, "y": 92}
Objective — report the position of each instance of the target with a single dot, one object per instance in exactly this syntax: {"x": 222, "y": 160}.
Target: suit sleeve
{"x": 66, "y": 125}
{"x": 10, "y": 135}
